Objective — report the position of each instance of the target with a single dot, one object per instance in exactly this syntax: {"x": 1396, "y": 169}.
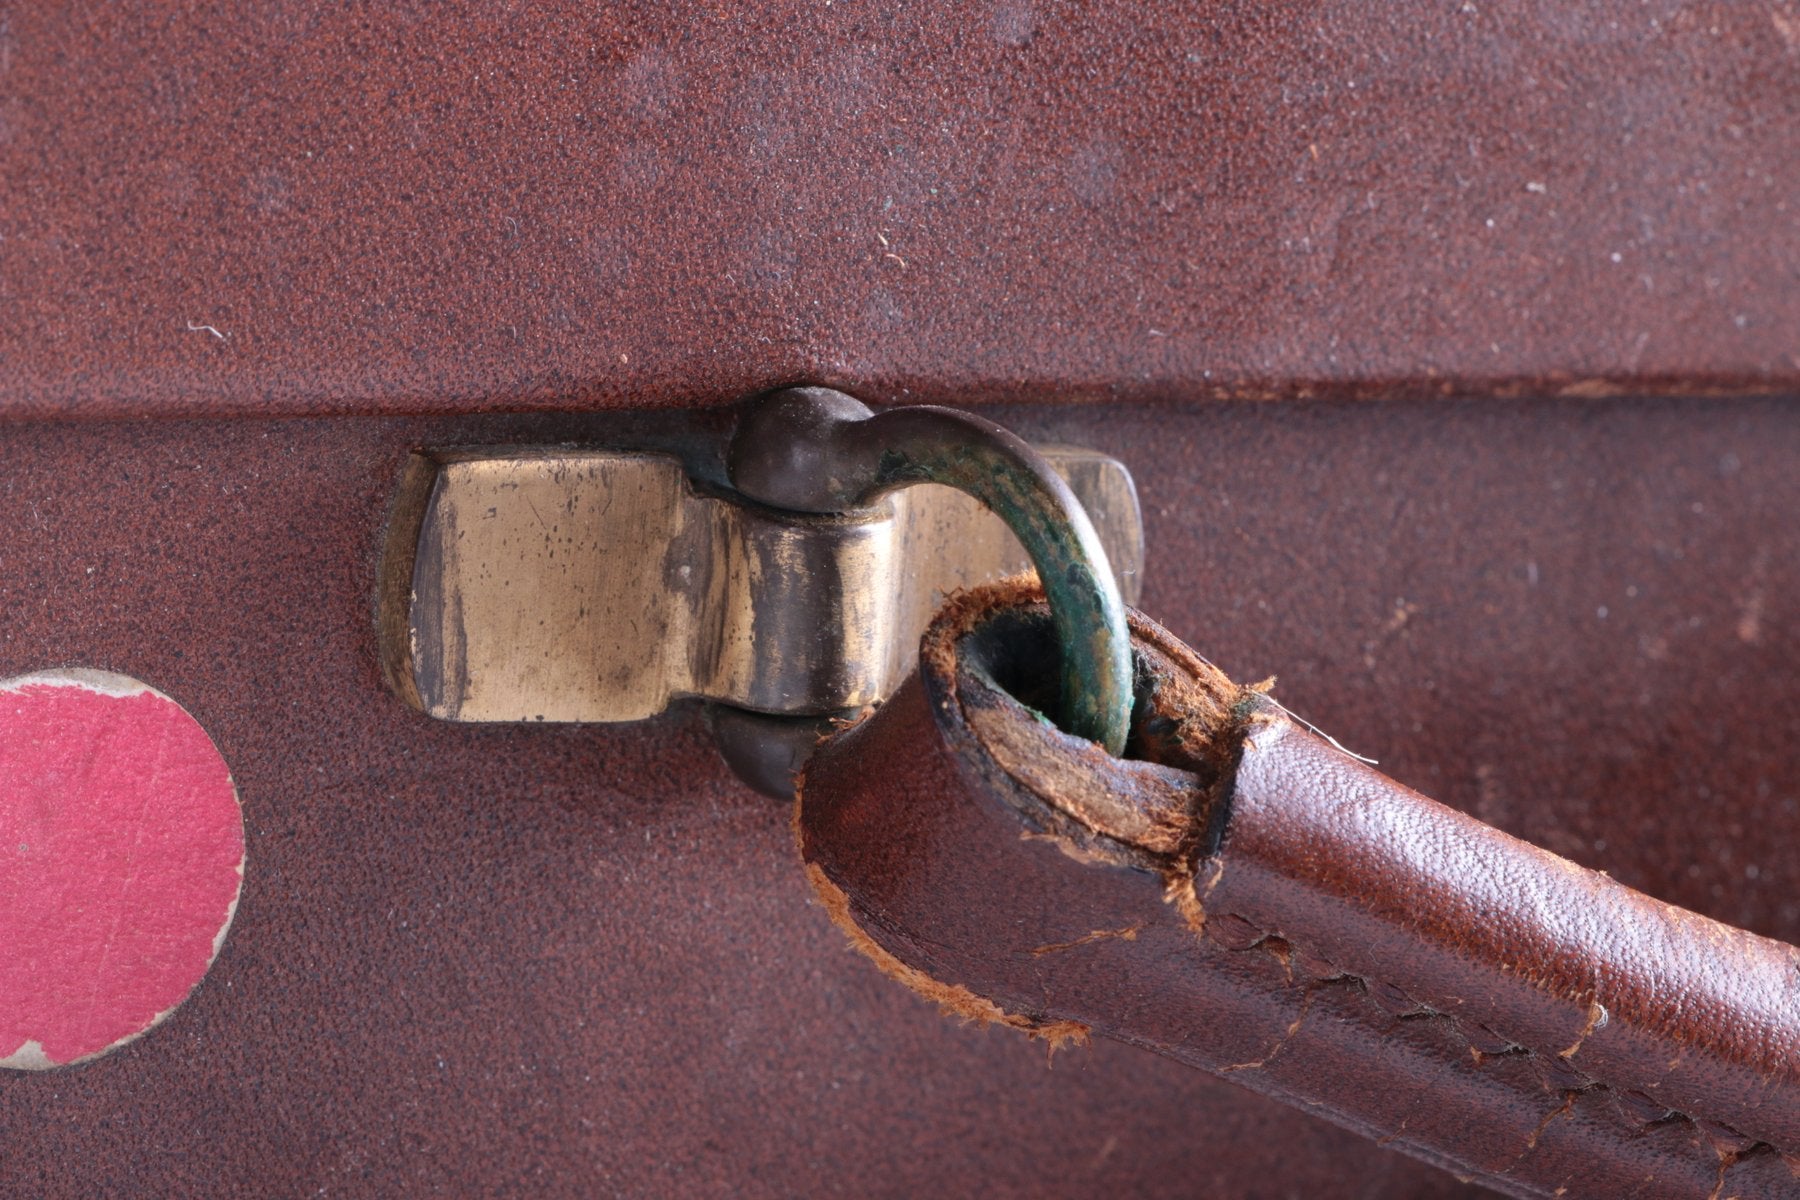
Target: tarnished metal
{"x": 575, "y": 585}
{"x": 823, "y": 451}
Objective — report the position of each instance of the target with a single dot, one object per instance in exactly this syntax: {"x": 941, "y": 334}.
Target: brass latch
{"x": 601, "y": 585}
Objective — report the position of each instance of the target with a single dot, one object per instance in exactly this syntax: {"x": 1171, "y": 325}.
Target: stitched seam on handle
{"x": 1456, "y": 1024}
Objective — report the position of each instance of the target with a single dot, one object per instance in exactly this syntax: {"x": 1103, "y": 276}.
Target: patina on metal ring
{"x": 818, "y": 450}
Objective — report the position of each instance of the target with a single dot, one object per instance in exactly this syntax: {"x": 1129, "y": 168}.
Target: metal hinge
{"x": 602, "y": 585}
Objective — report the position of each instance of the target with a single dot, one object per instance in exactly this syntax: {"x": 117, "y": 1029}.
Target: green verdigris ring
{"x": 818, "y": 450}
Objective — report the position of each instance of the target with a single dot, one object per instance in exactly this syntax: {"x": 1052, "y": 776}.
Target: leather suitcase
{"x": 1450, "y": 348}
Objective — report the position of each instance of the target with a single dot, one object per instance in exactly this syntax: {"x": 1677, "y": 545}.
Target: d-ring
{"x": 818, "y": 450}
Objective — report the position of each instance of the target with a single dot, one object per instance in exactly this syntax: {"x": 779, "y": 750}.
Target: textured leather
{"x": 1258, "y": 903}
{"x": 567, "y": 962}
{"x": 304, "y": 208}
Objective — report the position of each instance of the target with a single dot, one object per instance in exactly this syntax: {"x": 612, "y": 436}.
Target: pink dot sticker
{"x": 121, "y": 857}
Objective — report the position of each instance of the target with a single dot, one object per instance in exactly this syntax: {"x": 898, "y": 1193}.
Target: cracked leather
{"x": 1246, "y": 898}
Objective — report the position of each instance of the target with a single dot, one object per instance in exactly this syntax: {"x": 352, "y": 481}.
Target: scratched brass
{"x": 600, "y": 586}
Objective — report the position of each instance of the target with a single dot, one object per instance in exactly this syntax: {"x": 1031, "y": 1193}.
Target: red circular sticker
{"x": 121, "y": 856}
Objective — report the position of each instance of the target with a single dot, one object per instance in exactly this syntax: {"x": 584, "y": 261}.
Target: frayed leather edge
{"x": 1163, "y": 808}
{"x": 1191, "y": 721}
{"x": 952, "y": 999}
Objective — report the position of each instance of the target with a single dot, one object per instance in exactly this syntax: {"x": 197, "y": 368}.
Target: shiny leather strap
{"x": 1247, "y": 899}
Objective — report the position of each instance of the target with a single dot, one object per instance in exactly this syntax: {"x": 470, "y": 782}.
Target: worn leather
{"x": 305, "y": 208}
{"x": 1249, "y": 899}
{"x": 568, "y": 962}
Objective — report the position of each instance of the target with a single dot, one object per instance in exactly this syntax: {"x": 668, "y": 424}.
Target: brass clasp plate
{"x": 597, "y": 585}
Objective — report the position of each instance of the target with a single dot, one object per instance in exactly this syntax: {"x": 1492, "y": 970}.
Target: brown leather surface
{"x": 455, "y": 207}
{"x": 558, "y": 961}
{"x": 568, "y": 962}
{"x": 1611, "y": 988}
{"x": 1356, "y": 949}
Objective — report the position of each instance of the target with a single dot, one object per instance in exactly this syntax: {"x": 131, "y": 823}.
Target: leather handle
{"x": 1245, "y": 898}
